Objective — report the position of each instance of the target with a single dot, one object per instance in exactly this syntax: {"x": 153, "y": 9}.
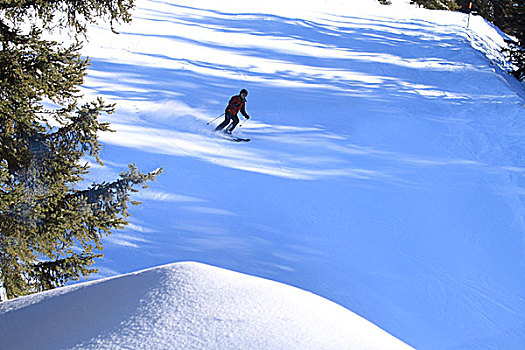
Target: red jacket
{"x": 235, "y": 105}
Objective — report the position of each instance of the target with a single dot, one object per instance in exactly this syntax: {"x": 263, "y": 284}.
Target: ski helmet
{"x": 243, "y": 91}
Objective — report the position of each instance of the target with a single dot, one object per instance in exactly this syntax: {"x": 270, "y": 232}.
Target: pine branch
{"x": 50, "y": 232}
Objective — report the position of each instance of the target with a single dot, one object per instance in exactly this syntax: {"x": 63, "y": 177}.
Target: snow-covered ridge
{"x": 185, "y": 306}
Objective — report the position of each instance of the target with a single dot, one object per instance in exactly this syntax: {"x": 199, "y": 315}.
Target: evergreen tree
{"x": 50, "y": 230}
{"x": 510, "y": 17}
{"x": 436, "y": 4}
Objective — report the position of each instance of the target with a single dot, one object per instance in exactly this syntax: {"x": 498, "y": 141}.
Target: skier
{"x": 235, "y": 105}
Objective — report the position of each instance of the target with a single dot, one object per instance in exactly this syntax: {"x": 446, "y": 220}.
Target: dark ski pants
{"x": 227, "y": 119}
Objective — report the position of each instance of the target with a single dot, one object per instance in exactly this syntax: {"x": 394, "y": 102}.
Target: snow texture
{"x": 385, "y": 171}
{"x": 185, "y": 306}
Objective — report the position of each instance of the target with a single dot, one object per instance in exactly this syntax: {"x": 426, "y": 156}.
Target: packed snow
{"x": 185, "y": 306}
{"x": 385, "y": 170}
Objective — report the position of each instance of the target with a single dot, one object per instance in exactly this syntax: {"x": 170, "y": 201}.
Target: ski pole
{"x": 244, "y": 121}
{"x": 211, "y": 121}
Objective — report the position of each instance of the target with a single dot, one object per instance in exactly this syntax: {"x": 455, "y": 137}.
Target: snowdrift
{"x": 185, "y": 306}
{"x": 385, "y": 173}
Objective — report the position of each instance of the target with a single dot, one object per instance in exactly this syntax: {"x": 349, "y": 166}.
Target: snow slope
{"x": 185, "y": 306}
{"x": 385, "y": 171}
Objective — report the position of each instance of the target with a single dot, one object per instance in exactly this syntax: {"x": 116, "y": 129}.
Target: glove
{"x": 247, "y": 117}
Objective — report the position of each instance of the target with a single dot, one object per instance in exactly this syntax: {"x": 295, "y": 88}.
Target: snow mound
{"x": 185, "y": 306}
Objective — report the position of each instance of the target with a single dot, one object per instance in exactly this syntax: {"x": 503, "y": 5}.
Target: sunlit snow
{"x": 385, "y": 170}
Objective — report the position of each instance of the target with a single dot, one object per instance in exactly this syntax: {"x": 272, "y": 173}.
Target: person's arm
{"x": 230, "y": 105}
{"x": 243, "y": 111}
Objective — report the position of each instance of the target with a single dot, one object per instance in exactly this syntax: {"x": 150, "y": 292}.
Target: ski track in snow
{"x": 385, "y": 168}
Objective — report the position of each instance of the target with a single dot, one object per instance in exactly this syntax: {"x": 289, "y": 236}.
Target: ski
{"x": 236, "y": 139}
{"x": 233, "y": 138}
{"x": 230, "y": 137}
